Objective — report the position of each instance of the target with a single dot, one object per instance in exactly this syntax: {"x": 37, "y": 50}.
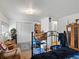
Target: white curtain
{"x": 5, "y": 31}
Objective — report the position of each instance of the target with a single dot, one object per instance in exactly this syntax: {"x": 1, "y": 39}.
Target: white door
{"x": 24, "y": 30}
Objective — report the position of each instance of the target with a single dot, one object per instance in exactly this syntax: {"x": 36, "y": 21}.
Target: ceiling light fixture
{"x": 31, "y": 11}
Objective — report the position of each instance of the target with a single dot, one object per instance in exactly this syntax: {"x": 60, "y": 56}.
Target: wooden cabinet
{"x": 73, "y": 35}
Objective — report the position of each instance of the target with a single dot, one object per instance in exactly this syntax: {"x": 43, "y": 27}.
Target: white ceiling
{"x": 54, "y": 8}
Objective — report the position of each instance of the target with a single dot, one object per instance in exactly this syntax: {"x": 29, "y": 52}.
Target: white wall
{"x": 62, "y": 25}
{"x": 62, "y": 22}
{"x": 13, "y": 22}
{"x": 3, "y": 18}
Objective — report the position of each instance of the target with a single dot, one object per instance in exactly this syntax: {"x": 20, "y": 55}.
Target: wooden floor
{"x": 26, "y": 55}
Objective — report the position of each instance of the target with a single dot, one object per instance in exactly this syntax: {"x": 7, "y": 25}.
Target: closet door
{"x": 24, "y": 30}
{"x": 76, "y": 37}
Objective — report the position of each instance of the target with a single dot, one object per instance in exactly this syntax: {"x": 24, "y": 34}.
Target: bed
{"x": 61, "y": 53}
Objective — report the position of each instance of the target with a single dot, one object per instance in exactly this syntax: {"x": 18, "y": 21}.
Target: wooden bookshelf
{"x": 73, "y": 35}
